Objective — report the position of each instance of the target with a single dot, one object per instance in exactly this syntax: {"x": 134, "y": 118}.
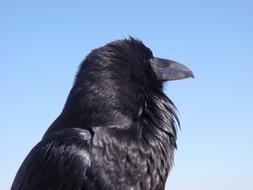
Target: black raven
{"x": 117, "y": 130}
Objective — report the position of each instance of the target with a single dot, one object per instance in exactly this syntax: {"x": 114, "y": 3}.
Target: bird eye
{"x": 151, "y": 61}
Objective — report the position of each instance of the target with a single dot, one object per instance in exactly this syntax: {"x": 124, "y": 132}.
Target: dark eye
{"x": 151, "y": 61}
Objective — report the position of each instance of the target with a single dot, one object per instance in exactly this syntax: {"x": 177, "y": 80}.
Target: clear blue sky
{"x": 43, "y": 42}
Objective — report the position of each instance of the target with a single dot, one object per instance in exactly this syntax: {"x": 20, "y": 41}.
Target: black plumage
{"x": 117, "y": 130}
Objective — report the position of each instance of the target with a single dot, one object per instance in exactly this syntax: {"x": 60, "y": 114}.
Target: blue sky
{"x": 43, "y": 42}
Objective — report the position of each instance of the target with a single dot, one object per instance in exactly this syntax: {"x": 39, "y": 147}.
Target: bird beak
{"x": 170, "y": 70}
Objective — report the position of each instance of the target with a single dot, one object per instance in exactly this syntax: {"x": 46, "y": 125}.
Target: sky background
{"x": 43, "y": 42}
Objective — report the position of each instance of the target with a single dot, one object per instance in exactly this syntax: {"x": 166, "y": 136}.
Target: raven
{"x": 117, "y": 130}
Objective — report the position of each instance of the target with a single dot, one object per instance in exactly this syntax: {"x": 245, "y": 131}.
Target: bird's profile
{"x": 117, "y": 130}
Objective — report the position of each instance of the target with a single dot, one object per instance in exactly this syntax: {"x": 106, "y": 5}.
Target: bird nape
{"x": 117, "y": 130}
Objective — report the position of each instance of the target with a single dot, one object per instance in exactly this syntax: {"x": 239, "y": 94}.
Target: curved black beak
{"x": 170, "y": 70}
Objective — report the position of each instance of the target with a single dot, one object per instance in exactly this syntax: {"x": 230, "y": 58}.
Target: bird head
{"x": 129, "y": 60}
{"x": 114, "y": 78}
